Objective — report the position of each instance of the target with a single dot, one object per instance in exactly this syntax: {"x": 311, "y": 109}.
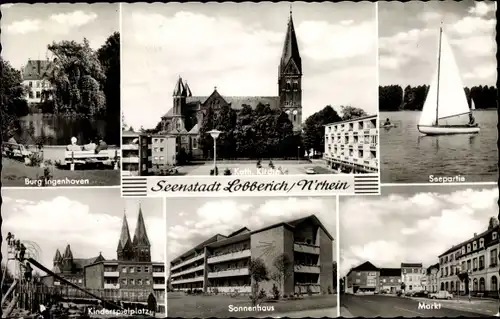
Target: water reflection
{"x": 58, "y": 130}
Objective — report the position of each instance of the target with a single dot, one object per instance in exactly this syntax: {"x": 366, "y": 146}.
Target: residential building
{"x": 131, "y": 276}
{"x": 479, "y": 257}
{"x": 363, "y": 278}
{"x": 221, "y": 263}
{"x": 390, "y": 280}
{"x": 186, "y": 115}
{"x": 163, "y": 150}
{"x": 136, "y": 153}
{"x": 352, "y": 146}
{"x": 433, "y": 278}
{"x": 413, "y": 274}
{"x": 36, "y": 75}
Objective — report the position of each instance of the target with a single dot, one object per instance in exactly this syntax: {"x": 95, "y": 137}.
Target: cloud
{"x": 58, "y": 23}
{"x": 482, "y": 72}
{"x": 392, "y": 229}
{"x": 429, "y": 16}
{"x": 482, "y": 8}
{"x": 72, "y": 222}
{"x": 226, "y": 216}
{"x": 74, "y": 19}
{"x": 210, "y": 51}
{"x": 24, "y": 26}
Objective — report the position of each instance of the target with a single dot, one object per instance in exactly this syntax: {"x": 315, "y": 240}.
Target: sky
{"x": 237, "y": 48}
{"x": 53, "y": 218}
{"x": 409, "y": 35}
{"x": 27, "y": 29}
{"x": 189, "y": 222}
{"x": 411, "y": 224}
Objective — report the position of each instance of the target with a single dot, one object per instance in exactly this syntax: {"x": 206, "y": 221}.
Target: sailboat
{"x": 446, "y": 98}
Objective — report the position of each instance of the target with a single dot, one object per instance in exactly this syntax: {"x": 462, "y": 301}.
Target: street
{"x": 391, "y": 306}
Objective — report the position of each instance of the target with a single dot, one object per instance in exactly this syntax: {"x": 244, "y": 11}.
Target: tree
{"x": 13, "y": 103}
{"x": 350, "y": 113}
{"x": 77, "y": 78}
{"x": 152, "y": 303}
{"x": 284, "y": 268}
{"x": 390, "y": 97}
{"x": 258, "y": 273}
{"x": 109, "y": 57}
{"x": 493, "y": 222}
{"x": 206, "y": 142}
{"x": 314, "y": 130}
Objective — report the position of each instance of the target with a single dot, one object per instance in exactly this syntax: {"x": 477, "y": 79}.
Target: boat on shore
{"x": 446, "y": 98}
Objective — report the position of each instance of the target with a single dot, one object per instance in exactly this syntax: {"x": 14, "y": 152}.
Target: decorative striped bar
{"x": 134, "y": 186}
{"x": 366, "y": 185}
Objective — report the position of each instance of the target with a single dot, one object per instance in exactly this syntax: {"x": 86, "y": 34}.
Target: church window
{"x": 288, "y": 112}
{"x": 195, "y": 143}
{"x": 295, "y": 115}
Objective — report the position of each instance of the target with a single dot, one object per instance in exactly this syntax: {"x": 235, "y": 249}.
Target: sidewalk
{"x": 345, "y": 313}
{"x": 458, "y": 301}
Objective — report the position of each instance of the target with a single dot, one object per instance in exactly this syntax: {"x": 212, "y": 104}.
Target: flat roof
{"x": 353, "y": 120}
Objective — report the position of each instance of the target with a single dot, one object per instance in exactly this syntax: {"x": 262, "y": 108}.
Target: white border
{"x": 164, "y": 207}
{"x": 120, "y": 19}
{"x": 379, "y": 140}
{"x": 439, "y": 184}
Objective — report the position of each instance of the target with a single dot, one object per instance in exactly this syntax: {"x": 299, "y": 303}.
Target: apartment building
{"x": 414, "y": 276}
{"x": 479, "y": 257}
{"x": 433, "y": 278}
{"x": 136, "y": 153}
{"x": 163, "y": 150}
{"x": 363, "y": 278}
{"x": 35, "y": 75}
{"x": 297, "y": 254}
{"x": 390, "y": 280}
{"x": 352, "y": 146}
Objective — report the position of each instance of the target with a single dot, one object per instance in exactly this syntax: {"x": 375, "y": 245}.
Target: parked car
{"x": 422, "y": 293}
{"x": 443, "y": 294}
{"x": 310, "y": 171}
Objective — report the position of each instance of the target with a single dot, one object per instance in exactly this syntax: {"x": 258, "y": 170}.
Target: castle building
{"x": 184, "y": 119}
{"x": 132, "y": 276}
{"x": 35, "y": 77}
{"x": 299, "y": 253}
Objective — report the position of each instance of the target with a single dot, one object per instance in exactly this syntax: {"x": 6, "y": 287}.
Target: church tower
{"x": 124, "y": 250}
{"x": 290, "y": 77}
{"x": 181, "y": 93}
{"x": 140, "y": 243}
{"x": 58, "y": 261}
{"x": 67, "y": 260}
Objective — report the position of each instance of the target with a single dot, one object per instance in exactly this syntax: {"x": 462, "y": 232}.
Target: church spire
{"x": 140, "y": 235}
{"x": 124, "y": 241}
{"x": 179, "y": 89}
{"x": 57, "y": 257}
{"x": 68, "y": 254}
{"x": 290, "y": 47}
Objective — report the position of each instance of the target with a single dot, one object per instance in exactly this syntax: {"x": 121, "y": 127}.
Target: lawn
{"x": 14, "y": 174}
{"x": 200, "y": 306}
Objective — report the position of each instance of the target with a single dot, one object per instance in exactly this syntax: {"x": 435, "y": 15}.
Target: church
{"x": 183, "y": 120}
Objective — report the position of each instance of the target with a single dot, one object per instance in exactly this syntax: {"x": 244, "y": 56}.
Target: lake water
{"x": 407, "y": 156}
{"x": 59, "y": 130}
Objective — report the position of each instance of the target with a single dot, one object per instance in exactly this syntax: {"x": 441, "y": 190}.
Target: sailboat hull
{"x": 448, "y": 129}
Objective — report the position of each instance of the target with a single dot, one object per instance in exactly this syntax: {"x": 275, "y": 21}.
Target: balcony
{"x": 130, "y": 147}
{"x": 307, "y": 269}
{"x": 231, "y": 256}
{"x": 306, "y": 248}
{"x": 188, "y": 271}
{"x": 188, "y": 280}
{"x": 158, "y": 274}
{"x": 112, "y": 286}
{"x": 111, "y": 274}
{"x": 229, "y": 273}
{"x": 130, "y": 160}
{"x": 187, "y": 262}
{"x": 159, "y": 286}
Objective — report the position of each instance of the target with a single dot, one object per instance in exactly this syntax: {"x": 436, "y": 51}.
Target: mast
{"x": 438, "y": 71}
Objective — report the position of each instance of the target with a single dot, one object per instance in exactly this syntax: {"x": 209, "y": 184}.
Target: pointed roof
{"x": 124, "y": 235}
{"x": 366, "y": 266}
{"x": 58, "y": 256}
{"x": 56, "y": 270}
{"x": 67, "y": 253}
{"x": 179, "y": 88}
{"x": 187, "y": 90}
{"x": 140, "y": 235}
{"x": 290, "y": 47}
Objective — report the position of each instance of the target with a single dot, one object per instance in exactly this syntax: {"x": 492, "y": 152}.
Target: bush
{"x": 262, "y": 294}
{"x": 330, "y": 290}
{"x": 276, "y": 292}
{"x": 309, "y": 291}
{"x": 227, "y": 172}
{"x": 216, "y": 291}
{"x": 35, "y": 159}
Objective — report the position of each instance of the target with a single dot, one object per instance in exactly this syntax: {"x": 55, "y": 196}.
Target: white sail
{"x": 472, "y": 105}
{"x": 452, "y": 98}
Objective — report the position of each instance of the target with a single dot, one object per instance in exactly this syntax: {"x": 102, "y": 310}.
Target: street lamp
{"x": 215, "y": 134}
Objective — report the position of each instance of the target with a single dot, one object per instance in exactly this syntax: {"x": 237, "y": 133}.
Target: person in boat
{"x": 387, "y": 122}
{"x": 472, "y": 120}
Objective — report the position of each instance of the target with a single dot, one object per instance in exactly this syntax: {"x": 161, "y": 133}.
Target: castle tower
{"x": 290, "y": 77}
{"x": 67, "y": 260}
{"x": 140, "y": 243}
{"x": 124, "y": 250}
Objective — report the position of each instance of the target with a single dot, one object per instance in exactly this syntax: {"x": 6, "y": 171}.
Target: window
{"x": 161, "y": 140}
{"x": 37, "y": 94}
{"x": 162, "y": 149}
{"x": 139, "y": 282}
{"x": 31, "y": 84}
{"x": 37, "y": 84}
{"x": 124, "y": 282}
{"x": 124, "y": 270}
{"x": 131, "y": 270}
{"x": 474, "y": 263}
{"x": 493, "y": 258}
{"x": 131, "y": 282}
{"x": 156, "y": 158}
{"x": 451, "y": 258}
{"x": 481, "y": 262}
{"x": 494, "y": 283}
{"x": 481, "y": 243}
{"x": 474, "y": 245}
{"x": 441, "y": 260}
{"x": 162, "y": 158}
{"x": 155, "y": 140}
{"x": 138, "y": 269}
{"x": 31, "y": 96}
{"x": 146, "y": 269}
{"x": 494, "y": 235}
{"x": 147, "y": 282}
{"x": 446, "y": 259}
{"x": 468, "y": 264}
{"x": 463, "y": 250}
{"x": 468, "y": 248}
